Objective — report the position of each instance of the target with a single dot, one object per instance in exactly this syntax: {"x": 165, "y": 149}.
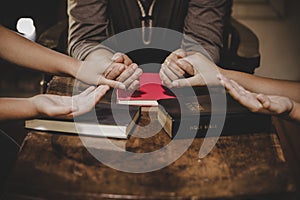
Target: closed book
{"x": 238, "y": 119}
{"x": 150, "y": 91}
{"x": 115, "y": 121}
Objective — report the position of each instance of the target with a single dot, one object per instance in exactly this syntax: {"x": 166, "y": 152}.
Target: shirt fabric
{"x": 93, "y": 21}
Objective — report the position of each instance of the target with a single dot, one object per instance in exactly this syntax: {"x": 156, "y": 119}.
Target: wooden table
{"x": 56, "y": 166}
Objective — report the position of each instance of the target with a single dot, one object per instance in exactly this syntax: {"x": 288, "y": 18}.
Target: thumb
{"x": 118, "y": 57}
{"x": 180, "y": 53}
{"x": 185, "y": 82}
{"x": 112, "y": 83}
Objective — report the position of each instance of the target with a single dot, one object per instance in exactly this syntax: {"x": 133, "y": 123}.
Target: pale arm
{"x": 200, "y": 66}
{"x": 261, "y": 103}
{"x": 23, "y": 52}
{"x": 16, "y": 49}
{"x": 263, "y": 85}
{"x": 51, "y": 105}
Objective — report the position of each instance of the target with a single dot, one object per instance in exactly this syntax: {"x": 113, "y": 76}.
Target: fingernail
{"x": 175, "y": 84}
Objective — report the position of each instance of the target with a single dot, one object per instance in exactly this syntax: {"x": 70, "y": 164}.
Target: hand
{"x": 130, "y": 76}
{"x": 117, "y": 71}
{"x": 170, "y": 70}
{"x": 260, "y": 103}
{"x": 66, "y": 106}
{"x": 203, "y": 72}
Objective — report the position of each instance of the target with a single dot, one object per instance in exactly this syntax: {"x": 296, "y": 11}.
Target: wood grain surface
{"x": 57, "y": 166}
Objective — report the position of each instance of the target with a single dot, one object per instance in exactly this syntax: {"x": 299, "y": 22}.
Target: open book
{"x": 115, "y": 121}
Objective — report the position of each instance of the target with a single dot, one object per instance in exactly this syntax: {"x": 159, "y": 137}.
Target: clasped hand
{"x": 117, "y": 72}
{"x": 180, "y": 64}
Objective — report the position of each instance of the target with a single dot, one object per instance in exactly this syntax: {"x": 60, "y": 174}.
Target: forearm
{"x": 87, "y": 27}
{"x": 204, "y": 23}
{"x": 16, "y": 49}
{"x": 265, "y": 85}
{"x": 17, "y": 108}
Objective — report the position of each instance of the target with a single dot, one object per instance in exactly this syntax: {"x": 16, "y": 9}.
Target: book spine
{"x": 233, "y": 125}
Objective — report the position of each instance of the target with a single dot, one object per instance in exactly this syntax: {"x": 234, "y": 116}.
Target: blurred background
{"x": 277, "y": 25}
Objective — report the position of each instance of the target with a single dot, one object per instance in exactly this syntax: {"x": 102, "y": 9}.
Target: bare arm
{"x": 262, "y": 103}
{"x": 263, "y": 85}
{"x": 51, "y": 105}
{"x": 205, "y": 71}
{"x": 88, "y": 27}
{"x": 23, "y": 52}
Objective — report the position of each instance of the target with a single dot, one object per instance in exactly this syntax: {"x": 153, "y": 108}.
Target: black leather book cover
{"x": 238, "y": 119}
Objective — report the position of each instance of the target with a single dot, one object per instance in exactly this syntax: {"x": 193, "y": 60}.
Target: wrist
{"x": 33, "y": 107}
{"x": 74, "y": 68}
{"x": 224, "y": 72}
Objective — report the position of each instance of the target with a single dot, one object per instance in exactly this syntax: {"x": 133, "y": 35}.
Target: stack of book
{"x": 171, "y": 114}
{"x": 99, "y": 124}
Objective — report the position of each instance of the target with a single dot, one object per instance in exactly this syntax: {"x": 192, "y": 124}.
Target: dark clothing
{"x": 93, "y": 21}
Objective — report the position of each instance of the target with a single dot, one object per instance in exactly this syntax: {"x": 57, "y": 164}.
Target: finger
{"x": 226, "y": 85}
{"x": 184, "y": 82}
{"x": 180, "y": 53}
{"x": 115, "y": 70}
{"x": 176, "y": 69}
{"x": 117, "y": 57}
{"x": 230, "y": 89}
{"x": 264, "y": 100}
{"x": 127, "y": 60}
{"x": 186, "y": 66}
{"x": 100, "y": 92}
{"x": 165, "y": 80}
{"x": 135, "y": 76}
{"x": 111, "y": 83}
{"x": 134, "y": 85}
{"x": 169, "y": 73}
{"x": 121, "y": 58}
{"x": 127, "y": 73}
{"x": 171, "y": 57}
{"x": 87, "y": 91}
{"x": 237, "y": 88}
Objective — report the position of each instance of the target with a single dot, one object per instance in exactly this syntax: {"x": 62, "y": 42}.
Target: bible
{"x": 238, "y": 119}
{"x": 149, "y": 92}
{"x": 103, "y": 124}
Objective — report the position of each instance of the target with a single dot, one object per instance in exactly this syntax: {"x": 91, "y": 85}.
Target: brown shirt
{"x": 93, "y": 21}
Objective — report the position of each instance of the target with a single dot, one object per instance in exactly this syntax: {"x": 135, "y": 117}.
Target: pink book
{"x": 150, "y": 91}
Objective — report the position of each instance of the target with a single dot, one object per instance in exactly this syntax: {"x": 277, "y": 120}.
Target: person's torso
{"x": 126, "y": 14}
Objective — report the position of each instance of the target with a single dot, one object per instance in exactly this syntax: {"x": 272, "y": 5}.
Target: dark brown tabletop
{"x": 58, "y": 166}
